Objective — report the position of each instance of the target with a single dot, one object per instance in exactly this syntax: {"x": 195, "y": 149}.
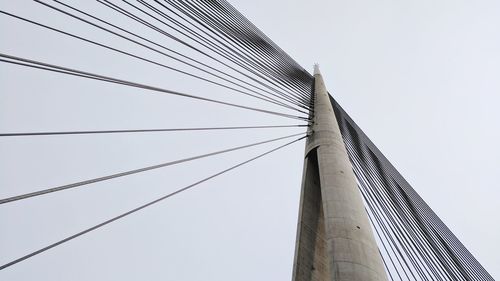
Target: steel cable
{"x": 97, "y": 226}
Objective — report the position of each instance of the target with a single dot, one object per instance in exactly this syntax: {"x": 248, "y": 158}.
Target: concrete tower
{"x": 335, "y": 241}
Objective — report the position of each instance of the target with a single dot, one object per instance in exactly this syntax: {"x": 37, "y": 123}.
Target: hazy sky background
{"x": 419, "y": 77}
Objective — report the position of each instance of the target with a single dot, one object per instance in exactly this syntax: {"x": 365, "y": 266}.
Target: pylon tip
{"x": 316, "y": 69}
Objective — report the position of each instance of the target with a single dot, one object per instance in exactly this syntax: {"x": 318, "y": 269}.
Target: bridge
{"x": 155, "y": 139}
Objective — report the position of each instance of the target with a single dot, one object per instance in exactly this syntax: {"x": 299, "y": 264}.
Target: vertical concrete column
{"x": 335, "y": 241}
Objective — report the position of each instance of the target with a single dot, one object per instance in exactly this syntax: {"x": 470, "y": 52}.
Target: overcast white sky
{"x": 419, "y": 77}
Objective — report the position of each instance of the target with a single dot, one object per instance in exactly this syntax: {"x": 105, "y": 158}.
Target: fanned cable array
{"x": 210, "y": 42}
{"x": 415, "y": 244}
{"x": 230, "y": 51}
{"x": 207, "y": 42}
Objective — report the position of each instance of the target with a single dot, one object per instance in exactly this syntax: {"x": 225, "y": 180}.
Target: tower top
{"x": 316, "y": 69}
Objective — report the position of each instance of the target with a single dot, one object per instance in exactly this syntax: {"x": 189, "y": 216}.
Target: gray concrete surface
{"x": 334, "y": 236}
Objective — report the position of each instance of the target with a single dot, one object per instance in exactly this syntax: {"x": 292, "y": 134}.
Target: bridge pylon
{"x": 335, "y": 241}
